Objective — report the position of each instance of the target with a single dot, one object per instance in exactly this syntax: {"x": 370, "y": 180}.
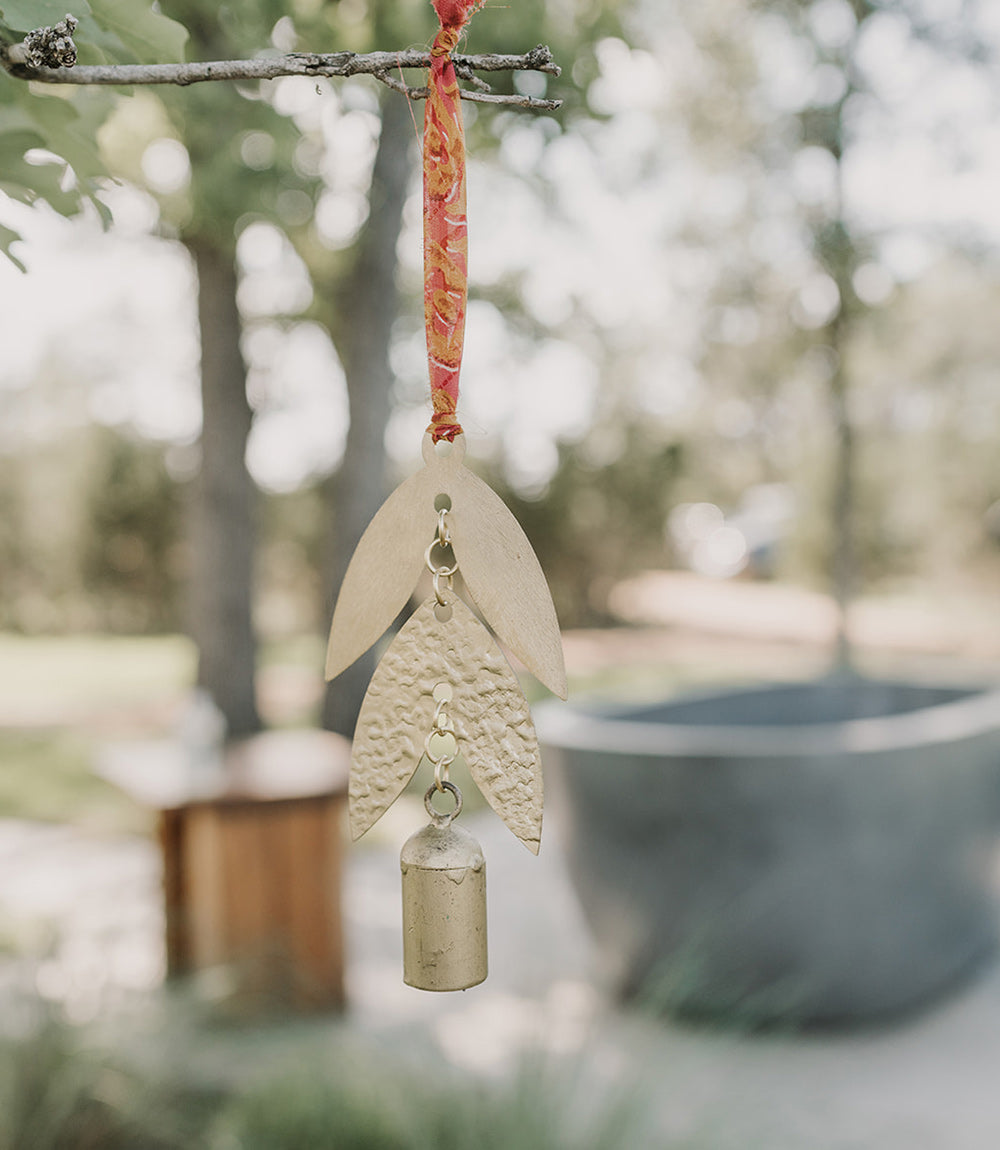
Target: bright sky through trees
{"x": 113, "y": 314}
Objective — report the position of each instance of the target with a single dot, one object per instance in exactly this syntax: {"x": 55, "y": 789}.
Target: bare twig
{"x": 515, "y": 100}
{"x": 381, "y": 65}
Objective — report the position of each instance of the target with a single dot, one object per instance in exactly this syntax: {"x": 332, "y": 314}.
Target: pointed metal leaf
{"x": 381, "y": 576}
{"x": 492, "y": 721}
{"x": 500, "y": 568}
{"x": 389, "y": 558}
{"x": 505, "y": 579}
{"x": 395, "y": 719}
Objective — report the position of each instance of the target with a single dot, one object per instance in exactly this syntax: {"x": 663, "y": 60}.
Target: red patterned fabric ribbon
{"x": 446, "y": 245}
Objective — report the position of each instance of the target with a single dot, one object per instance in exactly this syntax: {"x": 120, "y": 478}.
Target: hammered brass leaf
{"x": 492, "y": 721}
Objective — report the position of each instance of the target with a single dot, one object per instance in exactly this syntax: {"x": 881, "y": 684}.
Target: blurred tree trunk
{"x": 222, "y": 513}
{"x": 839, "y": 253}
{"x": 840, "y": 258}
{"x": 843, "y": 561}
{"x": 365, "y": 309}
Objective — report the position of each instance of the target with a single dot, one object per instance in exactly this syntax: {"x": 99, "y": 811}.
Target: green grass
{"x": 58, "y": 1091}
{"x": 42, "y": 674}
{"x": 307, "y": 651}
{"x": 58, "y": 1094}
{"x": 49, "y": 776}
{"x": 381, "y": 1106}
{"x": 62, "y": 697}
{"x": 58, "y": 697}
{"x": 651, "y": 682}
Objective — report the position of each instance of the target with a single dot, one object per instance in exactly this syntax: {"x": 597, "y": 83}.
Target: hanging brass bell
{"x": 444, "y": 904}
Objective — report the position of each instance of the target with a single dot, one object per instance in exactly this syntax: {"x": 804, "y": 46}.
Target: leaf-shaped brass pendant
{"x": 505, "y": 579}
{"x": 492, "y": 721}
{"x": 500, "y": 569}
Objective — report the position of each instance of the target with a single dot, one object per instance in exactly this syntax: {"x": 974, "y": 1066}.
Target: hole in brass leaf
{"x": 442, "y": 612}
{"x": 443, "y": 693}
{"x": 442, "y": 502}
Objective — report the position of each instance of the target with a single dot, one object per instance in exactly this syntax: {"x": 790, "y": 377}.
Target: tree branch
{"x": 17, "y": 61}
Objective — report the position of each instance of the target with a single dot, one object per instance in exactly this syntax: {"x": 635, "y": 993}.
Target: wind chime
{"x": 444, "y": 689}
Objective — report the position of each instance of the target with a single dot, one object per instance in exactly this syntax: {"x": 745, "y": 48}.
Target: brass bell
{"x": 444, "y": 904}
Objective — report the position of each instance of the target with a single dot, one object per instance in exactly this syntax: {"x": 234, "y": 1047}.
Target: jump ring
{"x": 441, "y": 820}
{"x": 441, "y": 773}
{"x": 440, "y": 574}
{"x": 444, "y": 531}
{"x": 432, "y": 567}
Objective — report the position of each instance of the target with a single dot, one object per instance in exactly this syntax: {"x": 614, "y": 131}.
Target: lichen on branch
{"x": 50, "y": 47}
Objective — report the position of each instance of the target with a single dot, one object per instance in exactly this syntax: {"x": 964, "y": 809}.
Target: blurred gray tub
{"x": 818, "y": 852}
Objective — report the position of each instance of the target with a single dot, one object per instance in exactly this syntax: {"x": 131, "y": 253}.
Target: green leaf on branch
{"x": 26, "y": 15}
{"x": 124, "y": 30}
{"x": 66, "y": 123}
{"x": 144, "y": 33}
{"x": 66, "y": 127}
{"x": 8, "y": 237}
{"x": 28, "y": 182}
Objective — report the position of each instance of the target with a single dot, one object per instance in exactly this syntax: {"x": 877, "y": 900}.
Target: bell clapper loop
{"x": 439, "y": 818}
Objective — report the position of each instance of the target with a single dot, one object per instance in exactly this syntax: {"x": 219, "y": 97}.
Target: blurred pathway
{"x": 89, "y": 908}
{"x": 80, "y": 915}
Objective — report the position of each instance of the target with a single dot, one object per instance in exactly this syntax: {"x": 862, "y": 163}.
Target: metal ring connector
{"x": 438, "y": 593}
{"x": 442, "y": 820}
{"x": 442, "y": 722}
{"x": 444, "y": 531}
{"x": 441, "y": 773}
{"x": 444, "y": 760}
{"x": 441, "y": 725}
{"x": 433, "y": 567}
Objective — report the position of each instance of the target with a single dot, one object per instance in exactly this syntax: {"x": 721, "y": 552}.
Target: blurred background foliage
{"x": 61, "y": 1089}
{"x": 693, "y": 283}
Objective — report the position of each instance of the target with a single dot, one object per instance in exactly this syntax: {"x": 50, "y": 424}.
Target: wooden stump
{"x": 252, "y": 859}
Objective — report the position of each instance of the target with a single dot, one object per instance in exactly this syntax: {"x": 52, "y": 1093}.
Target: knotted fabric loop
{"x": 446, "y": 247}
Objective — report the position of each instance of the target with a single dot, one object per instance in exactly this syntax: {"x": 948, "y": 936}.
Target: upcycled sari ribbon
{"x": 446, "y": 246}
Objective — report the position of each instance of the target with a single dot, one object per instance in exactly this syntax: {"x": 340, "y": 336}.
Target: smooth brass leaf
{"x": 500, "y": 569}
{"x": 493, "y": 724}
{"x": 384, "y": 569}
{"x": 505, "y": 579}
